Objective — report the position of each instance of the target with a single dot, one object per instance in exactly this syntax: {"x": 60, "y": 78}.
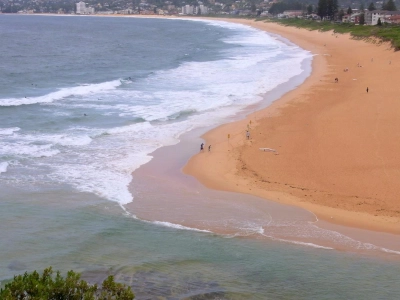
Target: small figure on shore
{"x": 336, "y": 80}
{"x": 84, "y": 115}
{"x": 367, "y": 90}
{"x": 202, "y": 147}
{"x": 372, "y": 59}
{"x": 390, "y": 62}
{"x": 247, "y": 134}
{"x": 209, "y": 148}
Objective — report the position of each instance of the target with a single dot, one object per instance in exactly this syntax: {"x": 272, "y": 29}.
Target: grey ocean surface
{"x": 83, "y": 101}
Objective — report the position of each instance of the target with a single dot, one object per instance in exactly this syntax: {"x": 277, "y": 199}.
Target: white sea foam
{"x": 104, "y": 166}
{"x": 8, "y": 131}
{"x": 390, "y": 251}
{"x": 177, "y": 226}
{"x": 3, "y": 167}
{"x": 59, "y": 139}
{"x": 133, "y": 128}
{"x": 298, "y": 243}
{"x": 170, "y": 102}
{"x": 95, "y": 179}
{"x": 307, "y": 244}
{"x": 24, "y": 150}
{"x": 62, "y": 93}
{"x": 164, "y": 223}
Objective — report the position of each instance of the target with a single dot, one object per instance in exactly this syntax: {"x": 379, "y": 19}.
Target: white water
{"x": 147, "y": 113}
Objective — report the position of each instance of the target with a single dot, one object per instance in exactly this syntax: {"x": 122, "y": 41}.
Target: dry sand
{"x": 337, "y": 145}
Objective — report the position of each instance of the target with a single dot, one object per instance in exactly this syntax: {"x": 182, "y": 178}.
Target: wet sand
{"x": 165, "y": 196}
{"x": 239, "y": 201}
{"x": 336, "y": 144}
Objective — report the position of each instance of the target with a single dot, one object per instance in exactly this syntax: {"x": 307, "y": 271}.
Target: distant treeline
{"x": 280, "y": 7}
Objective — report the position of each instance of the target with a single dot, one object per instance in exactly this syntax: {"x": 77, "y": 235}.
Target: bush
{"x": 385, "y": 32}
{"x": 33, "y": 286}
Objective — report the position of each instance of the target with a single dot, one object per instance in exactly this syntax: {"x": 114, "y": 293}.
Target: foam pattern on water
{"x": 93, "y": 136}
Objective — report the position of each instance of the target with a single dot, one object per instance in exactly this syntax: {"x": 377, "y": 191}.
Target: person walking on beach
{"x": 367, "y": 90}
{"x": 202, "y": 147}
{"x": 247, "y": 134}
{"x": 209, "y": 148}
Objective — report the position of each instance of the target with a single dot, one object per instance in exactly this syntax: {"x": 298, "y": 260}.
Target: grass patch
{"x": 385, "y": 33}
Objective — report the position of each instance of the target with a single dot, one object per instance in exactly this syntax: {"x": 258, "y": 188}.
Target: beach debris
{"x": 268, "y": 149}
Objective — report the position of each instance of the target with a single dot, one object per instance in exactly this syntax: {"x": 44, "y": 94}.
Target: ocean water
{"x": 84, "y": 106}
{"x": 84, "y": 101}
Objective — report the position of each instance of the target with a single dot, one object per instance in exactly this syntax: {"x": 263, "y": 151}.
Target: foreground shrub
{"x": 33, "y": 286}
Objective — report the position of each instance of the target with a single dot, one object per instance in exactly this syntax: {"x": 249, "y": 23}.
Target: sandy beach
{"x": 334, "y": 144}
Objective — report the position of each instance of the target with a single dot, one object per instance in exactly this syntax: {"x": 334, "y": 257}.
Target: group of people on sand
{"x": 358, "y": 65}
{"x": 202, "y": 147}
{"x": 209, "y": 146}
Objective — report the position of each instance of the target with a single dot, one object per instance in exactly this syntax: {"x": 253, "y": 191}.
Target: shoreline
{"x": 239, "y": 175}
{"x": 244, "y": 172}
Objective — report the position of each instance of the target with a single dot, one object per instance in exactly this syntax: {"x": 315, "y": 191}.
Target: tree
{"x": 253, "y": 7}
{"x": 389, "y": 6}
{"x": 327, "y": 8}
{"x": 322, "y": 8}
{"x": 379, "y": 22}
{"x": 362, "y": 19}
{"x": 280, "y": 7}
{"x": 309, "y": 9}
{"x": 46, "y": 286}
{"x": 332, "y": 7}
{"x": 341, "y": 14}
{"x": 362, "y": 7}
{"x": 349, "y": 11}
{"x": 371, "y": 6}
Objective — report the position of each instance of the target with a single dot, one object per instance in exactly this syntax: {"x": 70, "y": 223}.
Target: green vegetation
{"x": 280, "y": 7}
{"x": 327, "y": 8}
{"x": 385, "y": 32}
{"x": 389, "y": 6}
{"x": 34, "y": 286}
{"x": 371, "y": 6}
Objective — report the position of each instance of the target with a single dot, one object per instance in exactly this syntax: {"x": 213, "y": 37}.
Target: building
{"x": 292, "y": 13}
{"x": 203, "y": 9}
{"x": 195, "y": 10}
{"x": 346, "y": 18}
{"x": 395, "y": 19}
{"x": 188, "y": 10}
{"x": 81, "y": 9}
{"x": 372, "y": 17}
{"x": 355, "y": 18}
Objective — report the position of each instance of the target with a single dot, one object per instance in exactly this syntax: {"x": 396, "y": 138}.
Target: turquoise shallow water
{"x": 97, "y": 238}
{"x": 63, "y": 175}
